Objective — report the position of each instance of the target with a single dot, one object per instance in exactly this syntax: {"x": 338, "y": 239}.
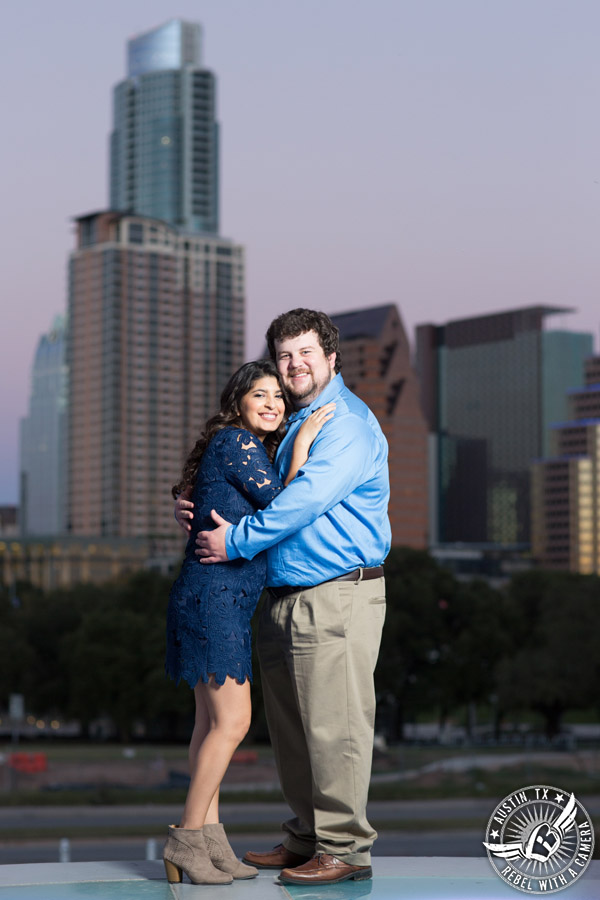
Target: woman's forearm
{"x": 299, "y": 457}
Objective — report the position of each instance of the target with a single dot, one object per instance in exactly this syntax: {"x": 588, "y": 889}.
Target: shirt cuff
{"x": 230, "y": 548}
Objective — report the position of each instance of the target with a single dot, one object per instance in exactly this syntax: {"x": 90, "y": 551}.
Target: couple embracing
{"x": 287, "y": 487}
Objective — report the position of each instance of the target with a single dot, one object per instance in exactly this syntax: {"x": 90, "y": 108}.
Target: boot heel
{"x": 174, "y": 873}
{"x": 185, "y": 851}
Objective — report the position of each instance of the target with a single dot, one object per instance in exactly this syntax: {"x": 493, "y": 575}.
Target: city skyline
{"x": 443, "y": 157}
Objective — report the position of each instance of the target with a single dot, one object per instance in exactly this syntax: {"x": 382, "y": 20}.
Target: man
{"x": 327, "y": 535}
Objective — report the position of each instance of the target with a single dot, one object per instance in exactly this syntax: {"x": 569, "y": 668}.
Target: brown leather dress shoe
{"x": 325, "y": 869}
{"x": 277, "y": 858}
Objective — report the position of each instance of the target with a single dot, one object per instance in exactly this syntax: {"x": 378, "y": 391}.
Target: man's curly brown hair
{"x": 299, "y": 321}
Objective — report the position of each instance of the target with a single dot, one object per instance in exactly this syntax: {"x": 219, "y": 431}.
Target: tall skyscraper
{"x": 566, "y": 485}
{"x": 42, "y": 488}
{"x": 156, "y": 328}
{"x": 377, "y": 366}
{"x": 490, "y": 387}
{"x": 156, "y": 300}
{"x": 164, "y": 147}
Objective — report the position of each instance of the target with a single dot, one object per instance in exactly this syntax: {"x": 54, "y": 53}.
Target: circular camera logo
{"x": 539, "y": 839}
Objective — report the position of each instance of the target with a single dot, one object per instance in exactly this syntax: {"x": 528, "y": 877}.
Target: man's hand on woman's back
{"x": 183, "y": 510}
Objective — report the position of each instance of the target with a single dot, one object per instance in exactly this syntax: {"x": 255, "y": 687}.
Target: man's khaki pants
{"x": 318, "y": 648}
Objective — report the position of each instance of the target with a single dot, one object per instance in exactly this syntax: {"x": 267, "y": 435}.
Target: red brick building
{"x": 376, "y": 366}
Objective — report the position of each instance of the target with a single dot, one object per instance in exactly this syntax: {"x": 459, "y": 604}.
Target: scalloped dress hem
{"x": 204, "y": 677}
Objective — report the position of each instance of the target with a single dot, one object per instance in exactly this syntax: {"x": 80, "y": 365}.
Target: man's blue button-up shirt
{"x": 332, "y": 518}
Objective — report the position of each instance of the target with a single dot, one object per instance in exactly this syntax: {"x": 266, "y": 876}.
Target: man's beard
{"x": 311, "y": 390}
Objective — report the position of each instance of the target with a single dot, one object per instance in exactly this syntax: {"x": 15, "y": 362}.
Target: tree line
{"x": 97, "y": 651}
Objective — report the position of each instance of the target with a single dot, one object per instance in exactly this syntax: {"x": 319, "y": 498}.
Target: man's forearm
{"x": 299, "y": 505}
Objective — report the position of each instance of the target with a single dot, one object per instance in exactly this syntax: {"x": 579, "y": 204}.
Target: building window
{"x": 136, "y": 233}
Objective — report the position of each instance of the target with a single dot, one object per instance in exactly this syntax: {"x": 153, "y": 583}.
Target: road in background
{"x": 260, "y": 814}
{"x": 408, "y": 828}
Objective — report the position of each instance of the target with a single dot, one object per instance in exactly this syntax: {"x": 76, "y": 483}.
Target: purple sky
{"x": 440, "y": 154}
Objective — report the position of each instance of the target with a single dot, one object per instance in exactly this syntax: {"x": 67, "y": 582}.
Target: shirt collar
{"x": 328, "y": 394}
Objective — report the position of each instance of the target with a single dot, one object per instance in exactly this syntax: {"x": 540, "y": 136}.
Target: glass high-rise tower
{"x": 43, "y": 438}
{"x": 164, "y": 152}
{"x": 490, "y": 388}
{"x": 156, "y": 300}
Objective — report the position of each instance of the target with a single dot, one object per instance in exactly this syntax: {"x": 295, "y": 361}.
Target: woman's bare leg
{"x": 222, "y": 721}
{"x": 201, "y": 729}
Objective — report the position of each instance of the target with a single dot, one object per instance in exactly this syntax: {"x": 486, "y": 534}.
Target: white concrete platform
{"x": 394, "y": 878}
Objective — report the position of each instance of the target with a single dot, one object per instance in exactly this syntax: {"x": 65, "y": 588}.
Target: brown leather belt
{"x": 357, "y": 575}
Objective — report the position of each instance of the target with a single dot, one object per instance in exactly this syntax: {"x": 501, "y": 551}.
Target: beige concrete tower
{"x": 156, "y": 328}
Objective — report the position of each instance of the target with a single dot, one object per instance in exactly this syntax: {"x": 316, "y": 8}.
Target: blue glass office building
{"x": 164, "y": 155}
{"x": 490, "y": 387}
{"x": 42, "y": 449}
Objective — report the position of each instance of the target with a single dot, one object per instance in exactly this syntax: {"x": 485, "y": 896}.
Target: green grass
{"x": 475, "y": 783}
{"x": 407, "y": 756}
{"x": 99, "y": 753}
{"x": 573, "y": 775}
{"x": 95, "y": 797}
{"x": 485, "y": 783}
{"x": 126, "y": 797}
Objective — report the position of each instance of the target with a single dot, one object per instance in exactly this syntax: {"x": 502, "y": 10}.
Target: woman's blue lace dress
{"x": 210, "y": 606}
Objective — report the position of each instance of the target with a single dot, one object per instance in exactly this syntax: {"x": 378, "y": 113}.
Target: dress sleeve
{"x": 247, "y": 467}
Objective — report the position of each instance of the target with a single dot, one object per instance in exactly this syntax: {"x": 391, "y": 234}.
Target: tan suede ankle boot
{"x": 221, "y": 854}
{"x": 186, "y": 851}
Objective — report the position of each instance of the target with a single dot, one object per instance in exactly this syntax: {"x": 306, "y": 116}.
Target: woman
{"x": 210, "y": 607}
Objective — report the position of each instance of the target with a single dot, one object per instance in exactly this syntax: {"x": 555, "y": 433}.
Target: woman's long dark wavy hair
{"x": 240, "y": 383}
